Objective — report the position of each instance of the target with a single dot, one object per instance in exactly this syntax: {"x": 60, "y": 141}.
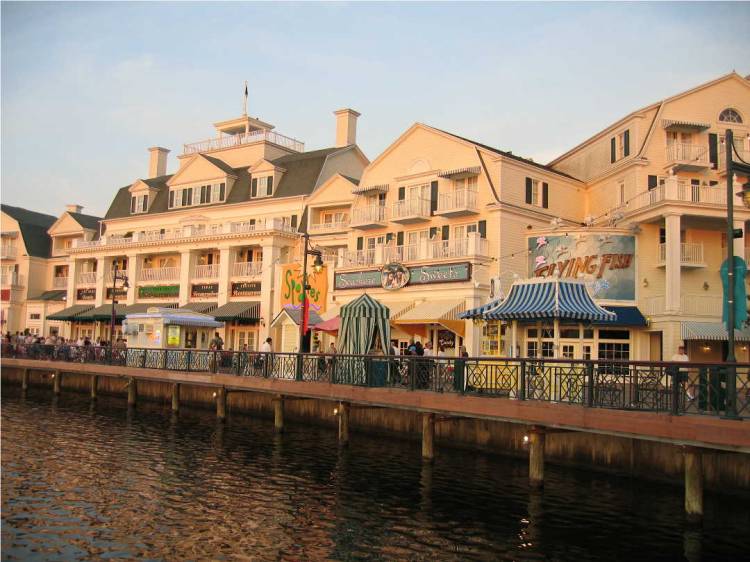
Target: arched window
{"x": 730, "y": 115}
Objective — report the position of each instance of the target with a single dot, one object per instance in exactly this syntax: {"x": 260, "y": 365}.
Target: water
{"x": 95, "y": 481}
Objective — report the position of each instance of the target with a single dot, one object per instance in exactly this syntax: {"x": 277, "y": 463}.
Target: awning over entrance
{"x": 671, "y": 124}
{"x": 201, "y": 307}
{"x": 627, "y": 316}
{"x": 445, "y": 313}
{"x": 70, "y": 313}
{"x": 103, "y": 313}
{"x": 397, "y": 309}
{"x": 714, "y": 331}
{"x": 56, "y": 295}
{"x": 480, "y": 311}
{"x": 330, "y": 326}
{"x": 241, "y": 312}
{"x": 539, "y": 299}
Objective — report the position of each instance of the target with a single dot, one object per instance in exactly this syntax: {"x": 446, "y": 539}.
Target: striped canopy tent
{"x": 540, "y": 299}
{"x": 363, "y": 322}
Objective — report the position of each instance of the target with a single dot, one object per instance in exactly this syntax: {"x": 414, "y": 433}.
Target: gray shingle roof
{"x": 86, "y": 221}
{"x": 33, "y": 228}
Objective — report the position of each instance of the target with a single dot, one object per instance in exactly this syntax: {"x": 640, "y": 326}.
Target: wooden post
{"x": 221, "y": 403}
{"x": 132, "y": 391}
{"x": 428, "y": 437}
{"x": 56, "y": 382}
{"x": 343, "y": 423}
{"x": 536, "y": 457}
{"x": 693, "y": 483}
{"x": 176, "y": 397}
{"x": 94, "y": 385}
{"x": 278, "y": 413}
{"x": 25, "y": 379}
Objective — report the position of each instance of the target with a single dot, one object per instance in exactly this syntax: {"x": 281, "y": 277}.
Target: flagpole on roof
{"x": 244, "y": 101}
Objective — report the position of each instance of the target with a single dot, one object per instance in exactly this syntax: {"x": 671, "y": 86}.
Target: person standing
{"x": 682, "y": 357}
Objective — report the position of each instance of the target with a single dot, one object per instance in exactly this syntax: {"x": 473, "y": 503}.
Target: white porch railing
{"x": 208, "y": 271}
{"x": 427, "y": 250}
{"x": 87, "y": 278}
{"x": 12, "y": 279}
{"x": 690, "y": 253}
{"x": 247, "y": 268}
{"x": 324, "y": 227}
{"x": 353, "y": 258}
{"x": 160, "y": 274}
{"x": 59, "y": 282}
{"x": 460, "y": 248}
{"x": 690, "y": 304}
{"x": 458, "y": 199}
{"x": 687, "y": 153}
{"x": 231, "y": 141}
{"x": 8, "y": 251}
{"x": 681, "y": 191}
{"x": 369, "y": 215}
{"x": 415, "y": 207}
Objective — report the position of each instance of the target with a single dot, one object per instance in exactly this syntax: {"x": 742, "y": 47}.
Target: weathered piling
{"x": 278, "y": 413}
{"x": 693, "y": 483}
{"x": 536, "y": 457}
{"x": 428, "y": 436}
{"x": 343, "y": 412}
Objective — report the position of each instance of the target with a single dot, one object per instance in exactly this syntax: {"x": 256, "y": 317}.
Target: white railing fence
{"x": 160, "y": 274}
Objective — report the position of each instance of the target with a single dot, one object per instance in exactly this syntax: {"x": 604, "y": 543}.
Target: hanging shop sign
{"x": 88, "y": 294}
{"x": 246, "y": 289}
{"x": 119, "y": 292}
{"x": 418, "y": 275}
{"x": 605, "y": 262}
{"x": 204, "y": 290}
{"x": 173, "y": 335}
{"x": 158, "y": 291}
{"x": 292, "y": 295}
{"x": 394, "y": 276}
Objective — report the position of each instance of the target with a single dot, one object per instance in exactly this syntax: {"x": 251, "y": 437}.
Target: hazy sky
{"x": 87, "y": 87}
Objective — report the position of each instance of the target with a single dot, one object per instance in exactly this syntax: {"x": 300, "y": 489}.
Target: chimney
{"x": 346, "y": 127}
{"x": 74, "y": 208}
{"x": 157, "y": 164}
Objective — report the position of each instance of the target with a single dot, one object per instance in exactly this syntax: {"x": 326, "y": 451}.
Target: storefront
{"x": 242, "y": 321}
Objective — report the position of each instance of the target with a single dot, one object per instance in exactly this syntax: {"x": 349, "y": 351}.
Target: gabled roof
{"x": 220, "y": 164}
{"x": 33, "y": 228}
{"x": 86, "y": 221}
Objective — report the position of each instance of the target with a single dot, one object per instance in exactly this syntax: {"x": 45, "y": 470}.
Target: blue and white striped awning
{"x": 711, "y": 331}
{"x": 539, "y": 299}
{"x": 480, "y": 311}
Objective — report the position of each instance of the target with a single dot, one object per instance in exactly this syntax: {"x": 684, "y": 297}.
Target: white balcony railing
{"x": 11, "y": 279}
{"x": 59, "y": 282}
{"x": 743, "y": 154}
{"x": 409, "y": 208}
{"x": 8, "y": 251}
{"x": 680, "y": 152}
{"x": 458, "y": 200}
{"x": 326, "y": 227}
{"x": 464, "y": 248}
{"x": 247, "y": 268}
{"x": 87, "y": 278}
{"x": 690, "y": 253}
{"x": 461, "y": 248}
{"x": 374, "y": 214}
{"x": 160, "y": 274}
{"x": 231, "y": 141}
{"x": 681, "y": 192}
{"x": 208, "y": 271}
{"x": 690, "y": 304}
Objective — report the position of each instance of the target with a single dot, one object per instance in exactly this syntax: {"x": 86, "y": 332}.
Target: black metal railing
{"x": 675, "y": 388}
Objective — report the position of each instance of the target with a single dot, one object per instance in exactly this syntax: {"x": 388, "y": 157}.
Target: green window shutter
{"x": 545, "y": 195}
{"x": 433, "y": 197}
{"x": 482, "y": 229}
{"x": 360, "y": 243}
{"x": 388, "y": 238}
{"x": 254, "y": 189}
{"x": 713, "y": 150}
{"x": 294, "y": 221}
{"x": 132, "y": 204}
{"x": 401, "y": 193}
{"x": 433, "y": 232}
{"x": 208, "y": 193}
{"x": 145, "y": 203}
{"x": 653, "y": 181}
{"x": 269, "y": 186}
{"x": 222, "y": 191}
{"x": 399, "y": 239}
{"x": 189, "y": 196}
{"x": 446, "y": 234}
{"x": 612, "y": 150}
{"x": 171, "y": 199}
{"x": 529, "y": 194}
{"x": 252, "y": 222}
{"x": 626, "y": 142}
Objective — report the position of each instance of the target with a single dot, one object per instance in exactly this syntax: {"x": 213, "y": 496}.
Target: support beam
{"x": 343, "y": 423}
{"x": 536, "y": 457}
{"x": 56, "y": 382}
{"x": 278, "y": 413}
{"x": 428, "y": 437}
{"x": 25, "y": 379}
{"x": 94, "y": 386}
{"x": 221, "y": 403}
{"x": 693, "y": 483}
{"x": 132, "y": 391}
{"x": 176, "y": 397}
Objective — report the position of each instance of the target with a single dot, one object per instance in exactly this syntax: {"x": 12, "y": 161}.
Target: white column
{"x": 672, "y": 228}
{"x": 186, "y": 274}
{"x": 72, "y": 280}
{"x": 134, "y": 269}
{"x": 739, "y": 243}
{"x": 101, "y": 280}
{"x": 271, "y": 254}
{"x": 225, "y": 264}
{"x": 557, "y": 338}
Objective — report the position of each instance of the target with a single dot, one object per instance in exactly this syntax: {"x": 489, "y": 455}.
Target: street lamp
{"x": 116, "y": 276}
{"x": 317, "y": 267}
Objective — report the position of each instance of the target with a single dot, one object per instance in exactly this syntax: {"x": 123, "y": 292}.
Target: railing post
{"x": 675, "y": 373}
{"x": 215, "y": 364}
{"x": 590, "y": 384}
{"x": 522, "y": 381}
{"x": 188, "y": 356}
{"x": 412, "y": 372}
{"x": 143, "y": 359}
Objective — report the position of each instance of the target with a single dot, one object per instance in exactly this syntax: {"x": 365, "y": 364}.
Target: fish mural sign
{"x": 605, "y": 262}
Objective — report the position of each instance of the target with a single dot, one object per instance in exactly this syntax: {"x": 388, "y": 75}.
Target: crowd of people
{"x": 35, "y": 345}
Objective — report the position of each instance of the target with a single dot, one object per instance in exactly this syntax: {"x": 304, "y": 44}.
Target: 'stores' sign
{"x": 418, "y": 275}
{"x": 606, "y": 262}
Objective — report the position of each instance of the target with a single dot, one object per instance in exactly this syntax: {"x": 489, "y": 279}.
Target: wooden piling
{"x": 221, "y": 403}
{"x": 56, "y": 382}
{"x": 132, "y": 391}
{"x": 428, "y": 437}
{"x": 343, "y": 423}
{"x": 278, "y": 413}
{"x": 25, "y": 380}
{"x": 94, "y": 386}
{"x": 693, "y": 483}
{"x": 536, "y": 457}
{"x": 176, "y": 397}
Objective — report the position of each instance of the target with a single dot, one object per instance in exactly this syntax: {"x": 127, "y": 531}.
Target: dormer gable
{"x": 142, "y": 196}
{"x": 265, "y": 176}
{"x": 202, "y": 168}
{"x": 204, "y": 180}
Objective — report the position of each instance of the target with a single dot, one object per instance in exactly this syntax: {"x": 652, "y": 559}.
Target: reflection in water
{"x": 82, "y": 482}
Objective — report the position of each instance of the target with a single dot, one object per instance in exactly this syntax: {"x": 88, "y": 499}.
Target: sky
{"x": 88, "y": 87}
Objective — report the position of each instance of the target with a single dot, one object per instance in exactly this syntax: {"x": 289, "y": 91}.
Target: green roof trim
{"x": 246, "y": 312}
{"x": 70, "y": 313}
{"x": 56, "y": 295}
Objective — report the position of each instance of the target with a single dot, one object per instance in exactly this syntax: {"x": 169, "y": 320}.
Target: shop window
{"x": 586, "y": 352}
{"x": 588, "y": 333}
{"x": 548, "y": 332}
{"x": 548, "y": 349}
{"x": 568, "y": 351}
{"x": 614, "y": 335}
{"x": 531, "y": 333}
{"x": 531, "y": 349}
{"x": 613, "y": 351}
{"x": 569, "y": 333}
{"x": 491, "y": 338}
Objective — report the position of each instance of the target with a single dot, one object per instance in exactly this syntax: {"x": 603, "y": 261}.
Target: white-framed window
{"x": 730, "y": 115}
{"x": 333, "y": 217}
{"x": 197, "y": 195}
{"x": 261, "y": 186}
{"x": 139, "y": 204}
{"x": 35, "y": 316}
{"x": 537, "y": 192}
{"x": 465, "y": 183}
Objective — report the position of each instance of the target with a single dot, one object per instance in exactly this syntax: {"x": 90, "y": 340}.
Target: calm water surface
{"x": 95, "y": 481}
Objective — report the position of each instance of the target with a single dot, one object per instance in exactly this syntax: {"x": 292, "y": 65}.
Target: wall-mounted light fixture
{"x": 706, "y": 286}
{"x": 645, "y": 282}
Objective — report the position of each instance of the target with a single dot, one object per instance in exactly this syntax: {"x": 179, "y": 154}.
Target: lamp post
{"x": 116, "y": 276}
{"x": 317, "y": 266}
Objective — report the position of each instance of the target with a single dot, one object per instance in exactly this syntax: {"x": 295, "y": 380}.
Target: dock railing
{"x": 673, "y": 388}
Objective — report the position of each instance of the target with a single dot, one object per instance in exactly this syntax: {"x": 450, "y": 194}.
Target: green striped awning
{"x": 55, "y": 295}
{"x": 711, "y": 331}
{"x": 242, "y": 312}
{"x": 202, "y": 307}
{"x": 70, "y": 313}
{"x": 104, "y": 312}
{"x": 364, "y": 324}
{"x": 364, "y": 306}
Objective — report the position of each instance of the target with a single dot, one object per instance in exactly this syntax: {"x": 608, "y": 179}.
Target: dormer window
{"x": 262, "y": 187}
{"x": 139, "y": 204}
{"x": 730, "y": 115}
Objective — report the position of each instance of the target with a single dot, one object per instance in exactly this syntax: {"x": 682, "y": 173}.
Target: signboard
{"x": 291, "y": 287}
{"x": 86, "y": 294}
{"x": 119, "y": 292}
{"x": 606, "y": 262}
{"x": 246, "y": 289}
{"x": 173, "y": 335}
{"x": 418, "y": 275}
{"x": 158, "y": 291}
{"x": 394, "y": 276}
{"x": 204, "y": 289}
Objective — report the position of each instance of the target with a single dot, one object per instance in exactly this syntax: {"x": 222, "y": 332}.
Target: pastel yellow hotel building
{"x": 435, "y": 227}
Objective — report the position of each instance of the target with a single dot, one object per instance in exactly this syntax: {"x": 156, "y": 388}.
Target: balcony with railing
{"x": 8, "y": 251}
{"x": 159, "y": 274}
{"x": 11, "y": 279}
{"x": 690, "y": 304}
{"x": 247, "y": 269}
{"x": 740, "y": 153}
{"x": 373, "y": 216}
{"x": 411, "y": 210}
{"x": 329, "y": 227}
{"x": 680, "y": 191}
{"x": 691, "y": 255}
{"x": 427, "y": 250}
{"x": 233, "y": 141}
{"x": 87, "y": 278}
{"x": 208, "y": 271}
{"x": 686, "y": 156}
{"x": 457, "y": 203}
{"x": 60, "y": 282}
